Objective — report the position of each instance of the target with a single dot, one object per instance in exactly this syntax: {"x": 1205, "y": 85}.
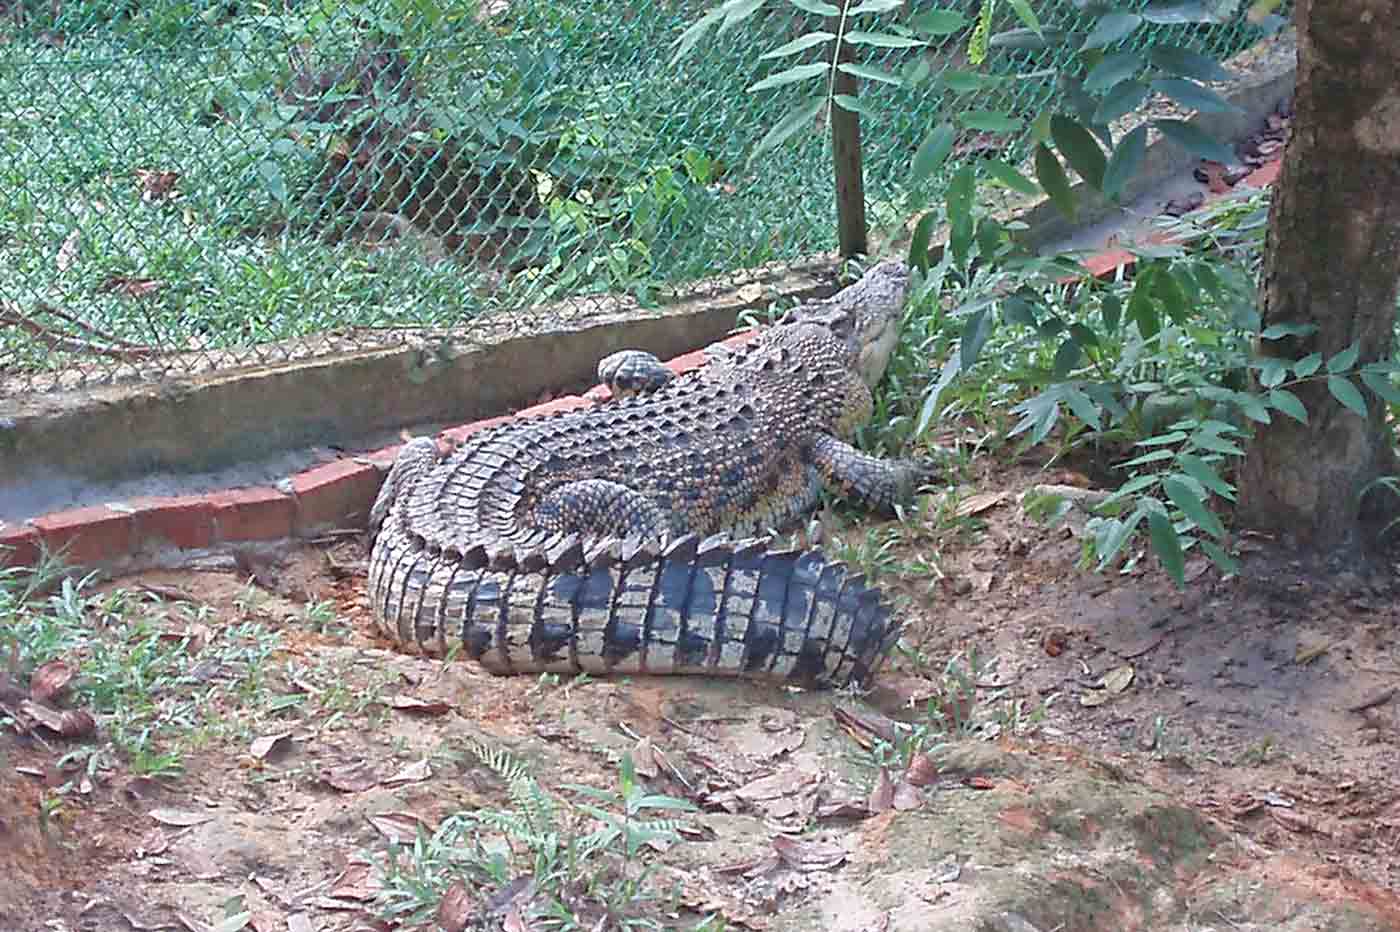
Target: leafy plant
{"x": 582, "y": 861}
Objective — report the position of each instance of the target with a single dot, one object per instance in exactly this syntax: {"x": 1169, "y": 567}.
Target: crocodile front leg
{"x": 874, "y": 483}
{"x": 415, "y": 458}
{"x": 600, "y": 508}
{"x": 631, "y": 372}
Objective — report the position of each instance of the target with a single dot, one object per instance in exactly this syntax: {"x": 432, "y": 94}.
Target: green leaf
{"x": 1216, "y": 444}
{"x": 1111, "y": 310}
{"x": 1067, "y": 357}
{"x": 1343, "y": 361}
{"x": 1117, "y": 533}
{"x": 797, "y": 118}
{"x": 1219, "y": 557}
{"x": 792, "y": 76}
{"x": 875, "y": 6}
{"x": 932, "y": 151}
{"x": 1146, "y": 459}
{"x": 959, "y": 200}
{"x": 938, "y": 22}
{"x": 738, "y": 11}
{"x": 1079, "y": 148}
{"x": 1186, "y": 499}
{"x": 974, "y": 337}
{"x": 883, "y": 40}
{"x": 1123, "y": 165}
{"x": 1169, "y": 292}
{"x": 1347, "y": 393}
{"x": 1027, "y": 15}
{"x": 1307, "y": 365}
{"x": 853, "y": 104}
{"x": 1285, "y": 401}
{"x": 1141, "y": 308}
{"x": 1272, "y": 372}
{"x": 1017, "y": 310}
{"x": 1010, "y": 177}
{"x": 799, "y": 44}
{"x": 871, "y": 74}
{"x": 918, "y": 245}
{"x": 1120, "y": 66}
{"x": 1052, "y": 178}
{"x": 1175, "y": 436}
{"x": 1201, "y": 471}
{"x": 1190, "y": 94}
{"x": 816, "y": 6}
{"x": 1125, "y": 97}
{"x": 1279, "y": 331}
{"x": 1027, "y": 39}
{"x": 1111, "y": 28}
{"x": 1179, "y": 11}
{"x": 1378, "y": 381}
{"x": 1081, "y": 407}
{"x": 967, "y": 81}
{"x": 694, "y": 34}
{"x": 1252, "y": 406}
{"x": 1167, "y": 546}
{"x": 1193, "y": 140}
{"x": 991, "y": 121}
{"x": 1176, "y": 60}
{"x": 951, "y": 367}
{"x": 1038, "y": 415}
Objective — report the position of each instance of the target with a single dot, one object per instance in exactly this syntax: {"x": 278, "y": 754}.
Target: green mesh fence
{"x": 192, "y": 185}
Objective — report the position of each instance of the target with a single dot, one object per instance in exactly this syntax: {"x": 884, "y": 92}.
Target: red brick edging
{"x": 334, "y": 495}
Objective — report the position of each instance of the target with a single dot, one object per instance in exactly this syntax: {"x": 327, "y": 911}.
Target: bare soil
{"x": 1239, "y": 771}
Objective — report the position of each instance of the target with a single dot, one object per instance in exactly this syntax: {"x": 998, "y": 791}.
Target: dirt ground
{"x": 1239, "y": 769}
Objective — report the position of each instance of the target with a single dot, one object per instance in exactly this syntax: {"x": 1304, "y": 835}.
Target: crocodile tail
{"x": 716, "y": 606}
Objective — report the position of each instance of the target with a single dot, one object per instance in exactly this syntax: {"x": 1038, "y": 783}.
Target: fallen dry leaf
{"x": 980, "y": 502}
{"x": 644, "y": 759}
{"x": 808, "y": 855}
{"x": 906, "y": 797}
{"x": 419, "y": 705}
{"x": 299, "y": 922}
{"x": 50, "y": 681}
{"x": 866, "y": 728}
{"x": 352, "y": 778}
{"x": 1113, "y": 683}
{"x": 357, "y": 882}
{"x": 882, "y": 795}
{"x": 401, "y": 827}
{"x": 844, "y": 809}
{"x": 456, "y": 909}
{"x": 156, "y": 185}
{"x": 416, "y": 772}
{"x": 179, "y": 817}
{"x": 68, "y": 251}
{"x": 132, "y": 287}
{"x": 267, "y": 744}
{"x": 70, "y": 723}
{"x": 922, "y": 770}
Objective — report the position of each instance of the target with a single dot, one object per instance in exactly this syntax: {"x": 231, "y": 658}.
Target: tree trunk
{"x": 1332, "y": 260}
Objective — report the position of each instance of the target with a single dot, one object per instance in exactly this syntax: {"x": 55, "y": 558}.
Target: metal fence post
{"x": 845, "y": 156}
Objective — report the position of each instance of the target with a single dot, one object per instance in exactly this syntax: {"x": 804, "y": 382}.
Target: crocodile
{"x": 635, "y": 535}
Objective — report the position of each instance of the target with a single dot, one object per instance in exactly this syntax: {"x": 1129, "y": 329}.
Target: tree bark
{"x": 1332, "y": 259}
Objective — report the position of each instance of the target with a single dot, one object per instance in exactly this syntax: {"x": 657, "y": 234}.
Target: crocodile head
{"x": 866, "y": 316}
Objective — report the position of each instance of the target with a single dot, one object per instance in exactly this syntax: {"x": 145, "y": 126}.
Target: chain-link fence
{"x": 192, "y": 184}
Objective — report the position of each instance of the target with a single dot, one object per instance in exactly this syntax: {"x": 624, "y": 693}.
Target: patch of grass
{"x": 575, "y": 865}
{"x": 157, "y": 678}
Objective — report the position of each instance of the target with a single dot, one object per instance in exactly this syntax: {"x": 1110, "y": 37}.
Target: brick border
{"x": 335, "y": 495}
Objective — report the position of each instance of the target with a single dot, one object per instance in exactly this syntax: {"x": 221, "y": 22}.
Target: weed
{"x": 583, "y": 860}
{"x": 153, "y": 688}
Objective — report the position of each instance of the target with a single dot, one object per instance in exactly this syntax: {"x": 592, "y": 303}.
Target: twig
{"x": 86, "y": 327}
{"x": 1380, "y": 698}
{"x": 60, "y": 341}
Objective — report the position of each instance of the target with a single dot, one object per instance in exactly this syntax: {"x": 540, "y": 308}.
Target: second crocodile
{"x": 585, "y": 541}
